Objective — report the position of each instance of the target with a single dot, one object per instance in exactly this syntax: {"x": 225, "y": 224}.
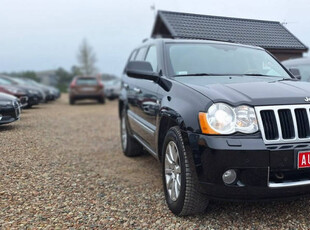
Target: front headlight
{"x": 224, "y": 119}
{"x": 5, "y": 103}
{"x": 14, "y": 91}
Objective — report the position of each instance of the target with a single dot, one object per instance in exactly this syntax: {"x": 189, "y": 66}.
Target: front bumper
{"x": 86, "y": 96}
{"x": 258, "y": 167}
{"x": 10, "y": 113}
{"x": 34, "y": 99}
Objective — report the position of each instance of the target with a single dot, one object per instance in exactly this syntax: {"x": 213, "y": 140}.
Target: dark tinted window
{"x": 152, "y": 57}
{"x": 86, "y": 81}
{"x": 141, "y": 54}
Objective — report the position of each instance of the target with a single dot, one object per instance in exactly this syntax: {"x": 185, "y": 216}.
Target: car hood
{"x": 11, "y": 87}
{"x": 250, "y": 90}
{"x": 7, "y": 97}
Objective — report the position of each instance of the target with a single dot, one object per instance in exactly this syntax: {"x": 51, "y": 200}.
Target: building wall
{"x": 285, "y": 55}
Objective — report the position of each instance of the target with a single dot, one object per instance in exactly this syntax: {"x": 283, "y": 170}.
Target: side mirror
{"x": 141, "y": 70}
{"x": 295, "y": 72}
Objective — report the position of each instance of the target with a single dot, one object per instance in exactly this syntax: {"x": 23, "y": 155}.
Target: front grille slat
{"x": 284, "y": 123}
{"x": 302, "y": 123}
{"x": 287, "y": 125}
{"x": 270, "y": 124}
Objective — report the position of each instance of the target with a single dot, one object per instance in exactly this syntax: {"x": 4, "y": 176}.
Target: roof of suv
{"x": 195, "y": 41}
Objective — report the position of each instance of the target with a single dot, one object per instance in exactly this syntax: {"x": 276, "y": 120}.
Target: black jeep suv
{"x": 226, "y": 121}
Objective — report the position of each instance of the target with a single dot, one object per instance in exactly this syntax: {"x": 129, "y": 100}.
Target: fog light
{"x": 0, "y": 117}
{"x": 230, "y": 176}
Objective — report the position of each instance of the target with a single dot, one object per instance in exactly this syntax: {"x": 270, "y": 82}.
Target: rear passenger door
{"x": 142, "y": 113}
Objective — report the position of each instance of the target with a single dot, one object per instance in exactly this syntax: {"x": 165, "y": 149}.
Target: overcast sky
{"x": 45, "y": 34}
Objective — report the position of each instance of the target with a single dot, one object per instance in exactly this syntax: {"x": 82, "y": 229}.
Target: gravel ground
{"x": 62, "y": 167}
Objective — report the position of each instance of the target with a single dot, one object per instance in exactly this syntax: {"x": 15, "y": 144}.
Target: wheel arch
{"x": 168, "y": 119}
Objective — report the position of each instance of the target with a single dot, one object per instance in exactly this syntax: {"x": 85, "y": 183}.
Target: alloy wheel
{"x": 172, "y": 171}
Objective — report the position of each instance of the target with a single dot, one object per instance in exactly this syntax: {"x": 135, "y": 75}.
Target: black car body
{"x": 168, "y": 112}
{"x": 51, "y": 93}
{"x": 9, "y": 109}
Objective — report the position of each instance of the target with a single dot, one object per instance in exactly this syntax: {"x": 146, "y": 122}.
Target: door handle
{"x": 137, "y": 90}
{"x": 126, "y": 86}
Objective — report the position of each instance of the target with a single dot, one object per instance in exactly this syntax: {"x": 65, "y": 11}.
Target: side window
{"x": 152, "y": 57}
{"x": 133, "y": 55}
{"x": 141, "y": 54}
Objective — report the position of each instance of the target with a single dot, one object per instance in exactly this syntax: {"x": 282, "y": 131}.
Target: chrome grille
{"x": 284, "y": 123}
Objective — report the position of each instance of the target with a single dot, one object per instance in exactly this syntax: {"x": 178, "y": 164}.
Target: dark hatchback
{"x": 226, "y": 121}
{"x": 9, "y": 109}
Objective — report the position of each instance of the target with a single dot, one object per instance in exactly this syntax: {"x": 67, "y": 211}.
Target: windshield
{"x": 5, "y": 82}
{"x": 222, "y": 59}
{"x": 20, "y": 81}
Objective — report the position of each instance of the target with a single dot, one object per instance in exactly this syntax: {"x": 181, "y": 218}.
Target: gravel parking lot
{"x": 62, "y": 166}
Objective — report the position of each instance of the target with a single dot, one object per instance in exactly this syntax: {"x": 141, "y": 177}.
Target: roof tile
{"x": 266, "y": 34}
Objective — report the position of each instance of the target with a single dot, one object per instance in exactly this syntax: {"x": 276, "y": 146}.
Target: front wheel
{"x": 179, "y": 183}
{"x": 129, "y": 145}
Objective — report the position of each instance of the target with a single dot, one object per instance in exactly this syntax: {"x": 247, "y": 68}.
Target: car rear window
{"x": 86, "y": 81}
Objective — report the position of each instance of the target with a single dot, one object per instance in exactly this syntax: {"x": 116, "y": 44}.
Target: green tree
{"x": 64, "y": 79}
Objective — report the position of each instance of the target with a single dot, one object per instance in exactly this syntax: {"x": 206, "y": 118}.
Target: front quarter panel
{"x": 182, "y": 104}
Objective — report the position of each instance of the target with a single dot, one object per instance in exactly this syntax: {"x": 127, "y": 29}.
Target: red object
{"x": 72, "y": 85}
{"x": 304, "y": 159}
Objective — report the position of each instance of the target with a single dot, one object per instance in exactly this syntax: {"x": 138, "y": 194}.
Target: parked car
{"x": 34, "y": 94}
{"x": 226, "y": 121}
{"x": 9, "y": 108}
{"x": 51, "y": 92}
{"x": 21, "y": 94}
{"x": 83, "y": 87}
{"x": 42, "y": 92}
{"x": 300, "y": 67}
{"x": 112, "y": 88}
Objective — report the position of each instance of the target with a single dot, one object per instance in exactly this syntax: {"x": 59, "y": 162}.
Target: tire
{"x": 101, "y": 100}
{"x": 71, "y": 101}
{"x": 185, "y": 200}
{"x": 130, "y": 146}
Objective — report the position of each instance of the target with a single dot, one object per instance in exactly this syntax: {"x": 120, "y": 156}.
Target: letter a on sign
{"x": 303, "y": 162}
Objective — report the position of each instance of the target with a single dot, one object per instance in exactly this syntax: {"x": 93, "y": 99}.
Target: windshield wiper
{"x": 193, "y": 74}
{"x": 289, "y": 79}
{"x": 258, "y": 74}
{"x": 245, "y": 74}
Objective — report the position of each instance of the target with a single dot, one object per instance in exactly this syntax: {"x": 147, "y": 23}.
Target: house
{"x": 48, "y": 77}
{"x": 271, "y": 35}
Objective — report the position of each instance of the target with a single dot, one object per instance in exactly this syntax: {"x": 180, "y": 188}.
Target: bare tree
{"x": 87, "y": 59}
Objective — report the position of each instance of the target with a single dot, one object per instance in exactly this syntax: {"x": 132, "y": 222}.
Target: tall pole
{"x": 153, "y": 8}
